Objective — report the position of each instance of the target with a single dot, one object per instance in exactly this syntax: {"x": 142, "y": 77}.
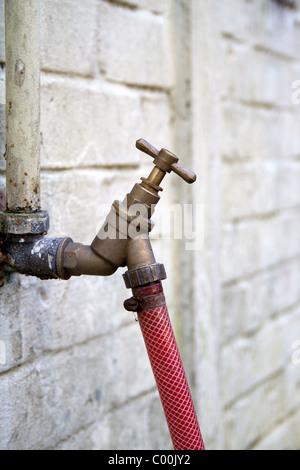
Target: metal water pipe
{"x": 23, "y": 216}
{"x": 22, "y": 66}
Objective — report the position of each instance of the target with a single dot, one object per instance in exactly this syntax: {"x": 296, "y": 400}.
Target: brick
{"x": 255, "y": 77}
{"x": 248, "y": 189}
{"x": 133, "y": 425}
{"x": 129, "y": 369}
{"x": 261, "y": 24}
{"x": 292, "y": 373}
{"x": 19, "y": 320}
{"x": 249, "y": 360}
{"x": 285, "y": 436}
{"x": 238, "y": 317}
{"x": 99, "y": 301}
{"x": 68, "y": 36}
{"x": 288, "y": 185}
{"x": 252, "y": 189}
{"x": 82, "y": 440}
{"x": 156, "y": 122}
{"x": 247, "y": 305}
{"x": 82, "y": 138}
{"x": 255, "y": 423}
{"x": 121, "y": 32}
{"x": 88, "y": 125}
{"x": 255, "y": 245}
{"x": 251, "y": 134}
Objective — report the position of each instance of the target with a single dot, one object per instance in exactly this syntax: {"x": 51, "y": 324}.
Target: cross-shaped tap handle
{"x": 166, "y": 161}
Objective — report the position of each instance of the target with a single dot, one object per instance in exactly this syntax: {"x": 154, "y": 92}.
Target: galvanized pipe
{"x": 22, "y": 57}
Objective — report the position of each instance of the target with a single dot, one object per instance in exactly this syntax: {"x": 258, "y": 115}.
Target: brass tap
{"x": 135, "y": 212}
{"x": 164, "y": 161}
{"x": 123, "y": 240}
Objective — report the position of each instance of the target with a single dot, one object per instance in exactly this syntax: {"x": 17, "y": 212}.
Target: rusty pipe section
{"x": 32, "y": 255}
{"x": 22, "y": 66}
{"x": 23, "y": 224}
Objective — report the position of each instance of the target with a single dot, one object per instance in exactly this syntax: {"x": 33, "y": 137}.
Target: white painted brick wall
{"x": 246, "y": 145}
{"x": 213, "y": 81}
{"x": 98, "y": 122}
{"x": 253, "y": 301}
{"x": 69, "y": 36}
{"x": 121, "y": 59}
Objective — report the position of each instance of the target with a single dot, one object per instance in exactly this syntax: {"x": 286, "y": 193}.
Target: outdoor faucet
{"x": 123, "y": 239}
{"x": 129, "y": 222}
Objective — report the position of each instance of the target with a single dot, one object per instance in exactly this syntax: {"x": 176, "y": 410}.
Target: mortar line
{"x": 275, "y": 424}
{"x": 258, "y": 272}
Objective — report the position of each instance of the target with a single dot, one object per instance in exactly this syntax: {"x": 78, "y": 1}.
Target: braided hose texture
{"x": 167, "y": 368}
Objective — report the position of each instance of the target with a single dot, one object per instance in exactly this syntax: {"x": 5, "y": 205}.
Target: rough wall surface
{"x": 246, "y": 145}
{"x": 217, "y": 89}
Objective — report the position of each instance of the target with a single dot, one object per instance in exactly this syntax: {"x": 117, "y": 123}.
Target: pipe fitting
{"x": 52, "y": 258}
{"x": 144, "y": 275}
{"x": 33, "y": 255}
{"x": 75, "y": 259}
{"x": 121, "y": 225}
{"x": 142, "y": 267}
{"x": 34, "y": 223}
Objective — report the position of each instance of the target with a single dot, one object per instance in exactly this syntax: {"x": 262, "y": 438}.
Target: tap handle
{"x": 145, "y": 147}
{"x": 166, "y": 161}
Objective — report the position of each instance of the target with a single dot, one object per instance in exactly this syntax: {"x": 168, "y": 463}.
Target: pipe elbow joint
{"x": 75, "y": 259}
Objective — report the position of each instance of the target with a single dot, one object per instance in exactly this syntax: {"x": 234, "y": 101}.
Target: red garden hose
{"x": 167, "y": 367}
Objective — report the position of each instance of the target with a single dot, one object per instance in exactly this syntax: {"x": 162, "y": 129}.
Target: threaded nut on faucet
{"x": 144, "y": 275}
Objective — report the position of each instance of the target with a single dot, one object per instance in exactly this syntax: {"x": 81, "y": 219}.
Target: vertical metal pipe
{"x": 22, "y": 57}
